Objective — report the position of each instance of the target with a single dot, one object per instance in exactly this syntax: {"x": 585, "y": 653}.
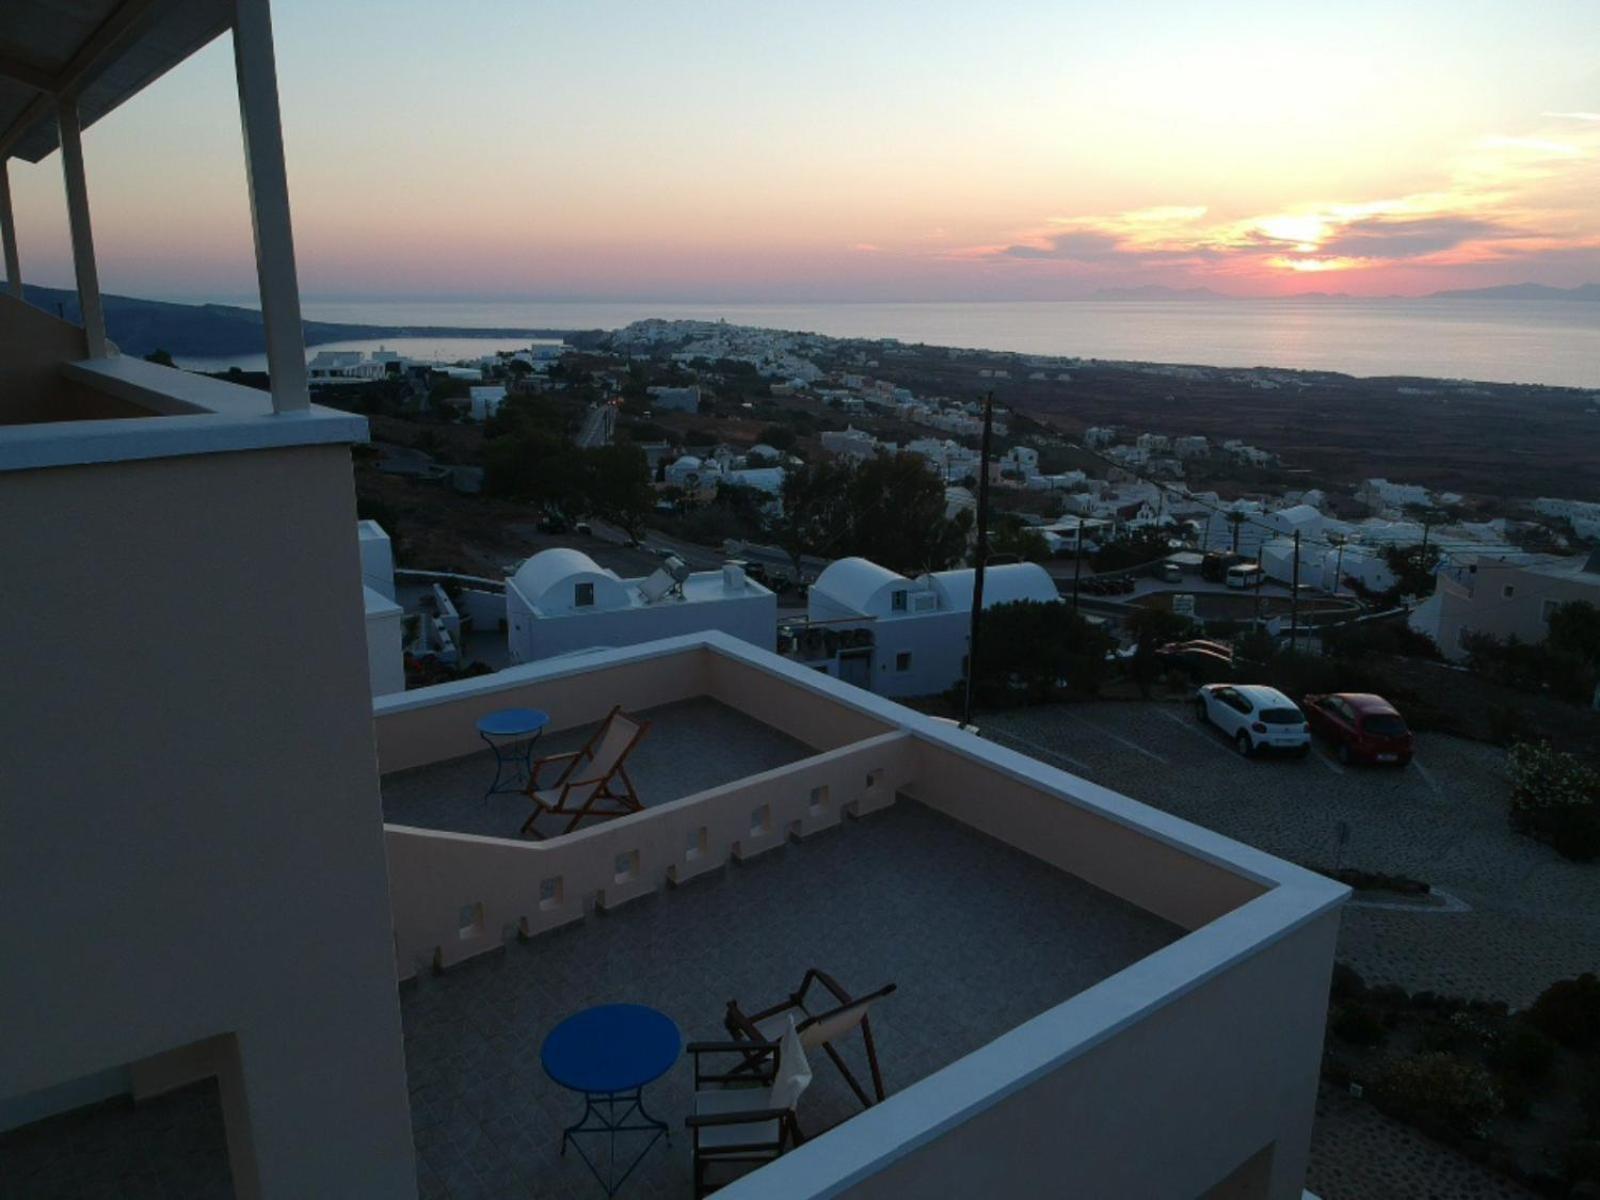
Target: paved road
{"x": 598, "y": 425}
{"x": 1528, "y": 916}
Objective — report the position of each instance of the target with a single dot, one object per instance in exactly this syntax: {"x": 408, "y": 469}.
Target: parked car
{"x": 1362, "y": 727}
{"x": 1202, "y": 660}
{"x": 1258, "y": 719}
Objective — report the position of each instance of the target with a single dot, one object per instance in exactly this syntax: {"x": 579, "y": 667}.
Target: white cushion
{"x": 794, "y": 1072}
{"x": 774, "y": 1027}
{"x": 722, "y": 1101}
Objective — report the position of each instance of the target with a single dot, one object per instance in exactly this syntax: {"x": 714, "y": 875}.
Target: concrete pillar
{"x": 8, "y": 232}
{"x": 94, "y": 320}
{"x": 269, "y": 204}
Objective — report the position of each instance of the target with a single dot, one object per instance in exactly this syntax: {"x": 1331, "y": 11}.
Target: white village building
{"x": 896, "y": 636}
{"x": 385, "y": 653}
{"x": 561, "y": 601}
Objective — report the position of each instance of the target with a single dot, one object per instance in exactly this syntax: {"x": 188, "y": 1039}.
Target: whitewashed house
{"x": 903, "y": 637}
{"x": 484, "y": 402}
{"x": 691, "y": 472}
{"x": 561, "y": 600}
{"x": 385, "y": 653}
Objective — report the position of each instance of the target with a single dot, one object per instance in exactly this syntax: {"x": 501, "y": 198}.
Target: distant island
{"x": 214, "y": 330}
{"x": 1510, "y": 291}
{"x": 1522, "y": 291}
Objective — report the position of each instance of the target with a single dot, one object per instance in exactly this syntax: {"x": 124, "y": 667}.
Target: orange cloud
{"x": 1507, "y": 197}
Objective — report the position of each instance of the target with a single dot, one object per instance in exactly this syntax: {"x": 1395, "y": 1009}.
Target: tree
{"x": 1014, "y": 539}
{"x": 816, "y": 516}
{"x": 1134, "y": 549}
{"x": 1032, "y": 650}
{"x": 160, "y": 357}
{"x": 897, "y": 512}
{"x": 617, "y": 486}
{"x": 1575, "y": 631}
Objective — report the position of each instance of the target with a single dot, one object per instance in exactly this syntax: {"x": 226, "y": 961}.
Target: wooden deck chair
{"x": 595, "y": 782}
{"x": 817, "y": 1025}
{"x": 744, "y": 1117}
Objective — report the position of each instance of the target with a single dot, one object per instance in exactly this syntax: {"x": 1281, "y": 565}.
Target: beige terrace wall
{"x": 191, "y": 839}
{"x": 33, "y": 345}
{"x": 458, "y": 895}
{"x": 1128, "y": 862}
{"x": 1167, "y": 1106}
{"x": 438, "y": 723}
{"x": 818, "y": 721}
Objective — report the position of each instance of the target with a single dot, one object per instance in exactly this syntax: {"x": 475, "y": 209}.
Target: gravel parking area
{"x": 1526, "y": 916}
{"x": 1516, "y": 915}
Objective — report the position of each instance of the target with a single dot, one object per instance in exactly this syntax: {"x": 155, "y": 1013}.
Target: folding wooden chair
{"x": 819, "y": 1026}
{"x": 744, "y": 1117}
{"x": 595, "y": 782}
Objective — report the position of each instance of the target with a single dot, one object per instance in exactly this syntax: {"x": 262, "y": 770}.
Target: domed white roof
{"x": 545, "y": 579}
{"x": 1001, "y": 585}
{"x": 853, "y": 582}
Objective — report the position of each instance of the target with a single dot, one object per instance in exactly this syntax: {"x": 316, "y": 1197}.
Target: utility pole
{"x": 981, "y": 555}
{"x": 1338, "y": 570}
{"x": 1294, "y": 598}
{"x": 1077, "y": 565}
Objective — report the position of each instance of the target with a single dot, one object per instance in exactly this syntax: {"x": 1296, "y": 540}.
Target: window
{"x": 902, "y": 661}
{"x": 1508, "y": 591}
{"x": 897, "y": 601}
{"x": 583, "y": 595}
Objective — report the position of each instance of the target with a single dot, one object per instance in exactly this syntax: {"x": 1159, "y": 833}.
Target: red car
{"x": 1362, "y": 727}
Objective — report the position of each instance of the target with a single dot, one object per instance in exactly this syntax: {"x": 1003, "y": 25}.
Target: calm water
{"x": 1528, "y": 341}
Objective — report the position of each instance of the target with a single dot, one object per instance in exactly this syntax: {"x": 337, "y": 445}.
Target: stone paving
{"x": 1532, "y": 916}
{"x": 978, "y": 936}
{"x": 690, "y": 746}
{"x": 1357, "y": 1153}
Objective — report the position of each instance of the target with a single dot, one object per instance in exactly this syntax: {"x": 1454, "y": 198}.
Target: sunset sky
{"x": 833, "y": 151}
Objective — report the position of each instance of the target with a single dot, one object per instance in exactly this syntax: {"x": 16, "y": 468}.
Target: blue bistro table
{"x": 511, "y": 733}
{"x": 609, "y": 1053}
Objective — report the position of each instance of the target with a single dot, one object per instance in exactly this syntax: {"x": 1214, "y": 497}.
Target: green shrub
{"x": 1556, "y": 798}
{"x": 1569, "y": 1011}
{"x": 1583, "y": 1161}
{"x": 1357, "y": 1025}
{"x": 1522, "y": 1052}
{"x": 1445, "y": 1095}
{"x": 1347, "y": 984}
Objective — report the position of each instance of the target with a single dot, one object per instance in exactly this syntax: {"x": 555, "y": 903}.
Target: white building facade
{"x": 561, "y": 601}
{"x": 905, "y": 637}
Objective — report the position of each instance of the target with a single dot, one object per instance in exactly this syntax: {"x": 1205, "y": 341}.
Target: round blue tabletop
{"x": 611, "y": 1048}
{"x": 511, "y": 722}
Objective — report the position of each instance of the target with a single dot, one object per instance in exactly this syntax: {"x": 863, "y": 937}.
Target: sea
{"x": 1505, "y": 341}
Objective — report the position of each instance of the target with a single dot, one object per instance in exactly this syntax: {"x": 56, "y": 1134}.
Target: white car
{"x": 1257, "y": 718}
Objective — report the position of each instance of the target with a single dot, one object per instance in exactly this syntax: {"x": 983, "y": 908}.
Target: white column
{"x": 269, "y": 204}
{"x": 8, "y": 232}
{"x": 94, "y": 321}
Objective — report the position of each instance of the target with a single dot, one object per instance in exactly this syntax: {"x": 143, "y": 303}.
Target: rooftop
{"x": 691, "y": 745}
{"x": 979, "y": 937}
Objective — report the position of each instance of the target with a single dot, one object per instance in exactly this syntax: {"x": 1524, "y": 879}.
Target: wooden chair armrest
{"x": 550, "y": 758}
{"x": 739, "y": 1118}
{"x": 742, "y": 1047}
{"x": 818, "y": 975}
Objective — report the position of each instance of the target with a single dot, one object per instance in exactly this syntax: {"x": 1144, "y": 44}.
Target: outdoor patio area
{"x": 690, "y": 746}
{"x": 979, "y": 937}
